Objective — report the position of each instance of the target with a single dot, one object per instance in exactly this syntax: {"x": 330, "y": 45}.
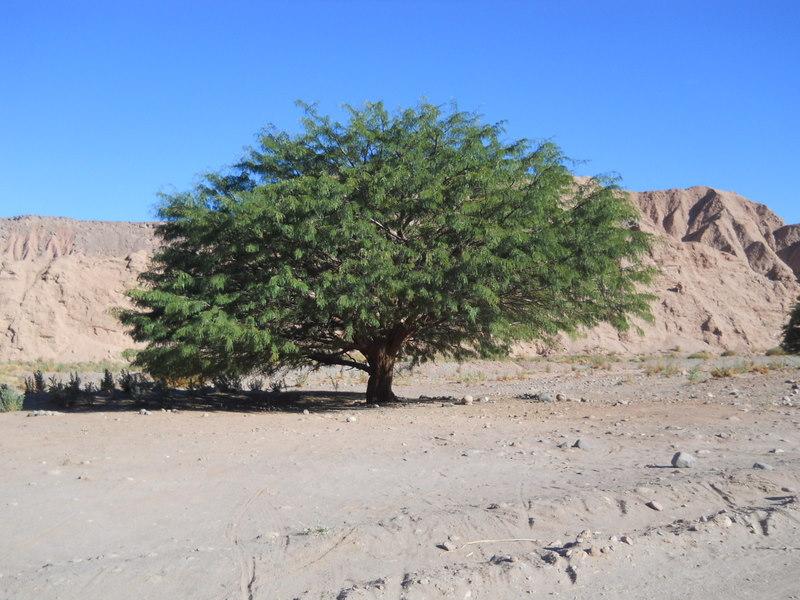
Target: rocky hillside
{"x": 729, "y": 270}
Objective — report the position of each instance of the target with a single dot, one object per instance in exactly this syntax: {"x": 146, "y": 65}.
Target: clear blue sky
{"x": 104, "y": 104}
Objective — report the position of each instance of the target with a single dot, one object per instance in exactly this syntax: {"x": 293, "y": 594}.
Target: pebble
{"x": 723, "y": 520}
{"x": 683, "y": 460}
{"x": 351, "y": 419}
{"x": 626, "y": 540}
{"x": 467, "y": 400}
{"x": 776, "y": 451}
{"x": 305, "y": 411}
{"x": 144, "y": 411}
{"x": 550, "y": 557}
{"x": 763, "y": 466}
{"x": 499, "y": 559}
{"x": 655, "y": 505}
{"x": 544, "y": 397}
{"x": 561, "y": 398}
{"x": 582, "y": 444}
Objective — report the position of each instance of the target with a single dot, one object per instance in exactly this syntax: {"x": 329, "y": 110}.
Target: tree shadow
{"x": 295, "y": 401}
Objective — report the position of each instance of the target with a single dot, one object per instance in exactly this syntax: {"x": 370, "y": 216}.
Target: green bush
{"x": 10, "y": 399}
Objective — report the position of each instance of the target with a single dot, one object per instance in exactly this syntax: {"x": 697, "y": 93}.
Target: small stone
{"x": 723, "y": 520}
{"x": 485, "y": 399}
{"x": 776, "y": 451}
{"x": 467, "y": 400}
{"x": 655, "y": 506}
{"x": 584, "y": 536}
{"x": 561, "y": 398}
{"x": 593, "y": 551}
{"x": 205, "y": 414}
{"x": 683, "y": 460}
{"x": 550, "y": 557}
{"x": 582, "y": 444}
{"x": 351, "y": 419}
{"x": 544, "y": 397}
{"x": 626, "y": 540}
{"x": 763, "y": 466}
{"x": 305, "y": 411}
{"x": 499, "y": 559}
{"x": 144, "y": 411}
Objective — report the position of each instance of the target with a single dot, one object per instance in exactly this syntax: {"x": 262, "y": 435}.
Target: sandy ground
{"x": 424, "y": 499}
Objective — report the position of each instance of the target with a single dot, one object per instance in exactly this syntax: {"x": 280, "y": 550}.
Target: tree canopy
{"x": 791, "y": 332}
{"x": 390, "y": 236}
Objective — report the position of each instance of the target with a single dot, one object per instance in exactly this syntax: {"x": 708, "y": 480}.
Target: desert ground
{"x": 539, "y": 488}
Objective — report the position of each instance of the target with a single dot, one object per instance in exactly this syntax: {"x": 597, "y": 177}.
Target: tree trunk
{"x": 381, "y": 372}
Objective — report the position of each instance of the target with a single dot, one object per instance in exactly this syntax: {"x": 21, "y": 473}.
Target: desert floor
{"x": 420, "y": 499}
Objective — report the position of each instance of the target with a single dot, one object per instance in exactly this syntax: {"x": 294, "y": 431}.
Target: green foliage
{"x": 791, "y": 332}
{"x": 10, "y": 399}
{"x": 391, "y": 236}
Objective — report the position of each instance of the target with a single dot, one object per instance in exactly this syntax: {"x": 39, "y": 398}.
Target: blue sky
{"x": 104, "y": 104}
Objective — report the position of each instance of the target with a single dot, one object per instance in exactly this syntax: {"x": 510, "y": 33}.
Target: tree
{"x": 388, "y": 237}
{"x": 791, "y": 332}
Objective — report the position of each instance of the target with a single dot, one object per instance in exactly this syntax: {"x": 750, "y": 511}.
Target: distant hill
{"x": 729, "y": 276}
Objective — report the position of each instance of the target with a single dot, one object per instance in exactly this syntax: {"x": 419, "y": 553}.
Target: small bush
{"x": 107, "y": 383}
{"x": 728, "y": 353}
{"x": 126, "y": 380}
{"x": 695, "y": 374}
{"x": 660, "y": 368}
{"x": 10, "y": 399}
{"x": 256, "y": 385}
{"x": 227, "y": 383}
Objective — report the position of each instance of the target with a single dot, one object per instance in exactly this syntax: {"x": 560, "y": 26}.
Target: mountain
{"x": 729, "y": 276}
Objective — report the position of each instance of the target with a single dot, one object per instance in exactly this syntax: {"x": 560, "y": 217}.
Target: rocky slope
{"x": 729, "y": 270}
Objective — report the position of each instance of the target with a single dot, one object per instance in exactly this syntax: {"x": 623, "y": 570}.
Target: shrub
{"x": 227, "y": 383}
{"x": 727, "y": 353}
{"x": 10, "y": 399}
{"x": 107, "y": 383}
{"x": 256, "y": 385}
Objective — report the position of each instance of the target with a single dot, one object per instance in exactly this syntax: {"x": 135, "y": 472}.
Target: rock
{"x": 654, "y": 505}
{"x": 467, "y": 400}
{"x": 683, "y": 460}
{"x": 205, "y": 414}
{"x": 449, "y": 545}
{"x": 485, "y": 399}
{"x": 584, "y": 536}
{"x": 593, "y": 551}
{"x": 626, "y": 540}
{"x": 561, "y": 398}
{"x": 544, "y": 397}
{"x": 776, "y": 451}
{"x": 722, "y": 520}
{"x": 499, "y": 559}
{"x": 763, "y": 466}
{"x": 550, "y": 557}
{"x": 144, "y": 411}
{"x": 582, "y": 444}
{"x": 305, "y": 411}
{"x": 351, "y": 419}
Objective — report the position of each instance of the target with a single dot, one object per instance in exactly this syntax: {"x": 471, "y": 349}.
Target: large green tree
{"x": 791, "y": 332}
{"x": 387, "y": 237}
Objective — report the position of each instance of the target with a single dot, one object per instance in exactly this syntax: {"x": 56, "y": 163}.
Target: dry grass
{"x": 665, "y": 369}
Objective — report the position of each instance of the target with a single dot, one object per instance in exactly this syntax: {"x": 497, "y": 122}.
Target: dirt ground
{"x": 422, "y": 499}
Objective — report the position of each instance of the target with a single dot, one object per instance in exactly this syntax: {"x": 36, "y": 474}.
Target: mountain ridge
{"x": 729, "y": 271}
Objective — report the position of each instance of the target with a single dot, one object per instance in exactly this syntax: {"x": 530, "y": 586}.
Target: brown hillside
{"x": 729, "y": 271}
